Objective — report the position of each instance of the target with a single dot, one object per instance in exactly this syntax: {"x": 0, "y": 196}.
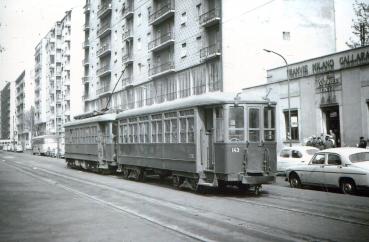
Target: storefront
{"x": 326, "y": 93}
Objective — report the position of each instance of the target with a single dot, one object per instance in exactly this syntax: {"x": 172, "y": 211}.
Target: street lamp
{"x": 289, "y": 137}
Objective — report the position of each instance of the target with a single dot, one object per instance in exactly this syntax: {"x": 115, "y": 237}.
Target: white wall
{"x": 249, "y": 26}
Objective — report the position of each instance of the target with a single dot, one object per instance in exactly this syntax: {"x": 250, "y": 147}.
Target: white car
{"x": 344, "y": 168}
{"x": 291, "y": 156}
{"x": 18, "y": 148}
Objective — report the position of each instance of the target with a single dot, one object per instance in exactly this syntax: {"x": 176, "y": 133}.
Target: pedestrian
{"x": 328, "y": 143}
{"x": 333, "y": 135}
{"x": 362, "y": 143}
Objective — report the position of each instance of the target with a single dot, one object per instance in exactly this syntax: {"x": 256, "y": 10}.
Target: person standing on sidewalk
{"x": 362, "y": 143}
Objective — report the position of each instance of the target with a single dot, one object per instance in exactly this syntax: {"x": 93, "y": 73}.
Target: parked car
{"x": 344, "y": 168}
{"x": 18, "y": 148}
{"x": 291, "y": 156}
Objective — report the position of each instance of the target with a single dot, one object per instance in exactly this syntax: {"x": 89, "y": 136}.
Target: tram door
{"x": 101, "y": 141}
{"x": 207, "y": 133}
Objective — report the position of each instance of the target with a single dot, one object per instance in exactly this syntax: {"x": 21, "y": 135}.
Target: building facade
{"x": 326, "y": 93}
{"x": 138, "y": 53}
{"x": 58, "y": 74}
{"x": 24, "y": 112}
{"x": 8, "y": 115}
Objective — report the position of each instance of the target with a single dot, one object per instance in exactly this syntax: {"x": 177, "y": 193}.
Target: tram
{"x": 90, "y": 143}
{"x": 207, "y": 140}
{"x": 48, "y": 145}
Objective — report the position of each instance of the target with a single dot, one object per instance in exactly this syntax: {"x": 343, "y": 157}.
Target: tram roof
{"x": 100, "y": 118}
{"x": 192, "y": 101}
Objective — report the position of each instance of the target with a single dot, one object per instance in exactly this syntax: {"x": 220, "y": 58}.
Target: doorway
{"x": 332, "y": 120}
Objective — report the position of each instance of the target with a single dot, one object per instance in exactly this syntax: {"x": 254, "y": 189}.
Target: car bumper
{"x": 257, "y": 180}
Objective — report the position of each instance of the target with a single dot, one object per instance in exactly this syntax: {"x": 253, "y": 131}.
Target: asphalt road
{"x": 42, "y": 200}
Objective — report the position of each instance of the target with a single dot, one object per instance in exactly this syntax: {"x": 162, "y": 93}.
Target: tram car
{"x": 208, "y": 140}
{"x": 90, "y": 143}
{"x": 45, "y": 145}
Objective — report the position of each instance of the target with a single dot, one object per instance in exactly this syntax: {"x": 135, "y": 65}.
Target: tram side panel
{"x": 163, "y": 156}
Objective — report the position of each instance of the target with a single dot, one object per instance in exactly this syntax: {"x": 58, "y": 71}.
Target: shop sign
{"x": 328, "y": 82}
{"x": 298, "y": 71}
{"x": 323, "y": 66}
{"x": 356, "y": 59}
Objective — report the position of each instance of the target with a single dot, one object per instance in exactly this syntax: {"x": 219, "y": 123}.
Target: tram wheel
{"x": 177, "y": 181}
{"x": 194, "y": 183}
{"x": 125, "y": 172}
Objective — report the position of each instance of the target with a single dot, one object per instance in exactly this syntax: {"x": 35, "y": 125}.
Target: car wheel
{"x": 348, "y": 186}
{"x": 295, "y": 181}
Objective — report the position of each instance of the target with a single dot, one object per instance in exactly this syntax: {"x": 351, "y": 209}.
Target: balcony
{"x": 127, "y": 58}
{"x": 162, "y": 69}
{"x": 87, "y": 8}
{"x": 85, "y": 61}
{"x": 162, "y": 14}
{"x": 127, "y": 81}
{"x": 103, "y": 30}
{"x": 86, "y": 26}
{"x": 162, "y": 42}
{"x": 127, "y": 12}
{"x": 210, "y": 18}
{"x": 86, "y": 44}
{"x": 127, "y": 35}
{"x": 104, "y": 9}
{"x": 104, "y": 50}
{"x": 104, "y": 70}
{"x": 103, "y": 90}
{"x": 210, "y": 52}
{"x": 86, "y": 97}
{"x": 85, "y": 79}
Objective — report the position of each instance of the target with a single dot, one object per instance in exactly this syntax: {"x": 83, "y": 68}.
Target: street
{"x": 42, "y": 200}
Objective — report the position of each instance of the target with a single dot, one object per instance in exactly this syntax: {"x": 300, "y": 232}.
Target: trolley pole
{"x": 289, "y": 135}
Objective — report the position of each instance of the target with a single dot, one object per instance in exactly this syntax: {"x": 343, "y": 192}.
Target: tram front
{"x": 244, "y": 147}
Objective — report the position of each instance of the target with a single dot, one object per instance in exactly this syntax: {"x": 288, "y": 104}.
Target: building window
{"x": 294, "y": 125}
{"x": 199, "y": 80}
{"x": 184, "y": 84}
{"x": 139, "y": 19}
{"x": 286, "y": 35}
{"x": 139, "y": 46}
{"x": 184, "y": 50}
{"x": 183, "y": 19}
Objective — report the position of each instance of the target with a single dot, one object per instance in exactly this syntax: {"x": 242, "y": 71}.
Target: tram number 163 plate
{"x": 235, "y": 150}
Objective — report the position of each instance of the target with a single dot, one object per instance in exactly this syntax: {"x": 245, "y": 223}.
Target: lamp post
{"x": 289, "y": 137}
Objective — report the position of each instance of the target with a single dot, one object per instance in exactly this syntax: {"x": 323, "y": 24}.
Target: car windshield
{"x": 359, "y": 157}
{"x": 311, "y": 151}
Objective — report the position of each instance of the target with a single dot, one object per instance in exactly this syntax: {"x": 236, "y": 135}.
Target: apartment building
{"x": 58, "y": 74}
{"x": 23, "y": 103}
{"x": 8, "y": 127}
{"x": 142, "y": 52}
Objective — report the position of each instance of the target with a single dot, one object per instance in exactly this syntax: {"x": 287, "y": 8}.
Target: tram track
{"x": 222, "y": 222}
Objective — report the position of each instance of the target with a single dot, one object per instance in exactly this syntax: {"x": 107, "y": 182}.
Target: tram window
{"x": 191, "y": 130}
{"x": 142, "y": 132}
{"x": 174, "y": 130}
{"x": 167, "y": 131}
{"x": 135, "y": 133}
{"x": 219, "y": 131}
{"x": 147, "y": 137}
{"x": 125, "y": 134}
{"x": 236, "y": 124}
{"x": 254, "y": 125}
{"x": 153, "y": 132}
{"x": 130, "y": 133}
{"x": 182, "y": 130}
{"x": 160, "y": 131}
{"x": 269, "y": 124}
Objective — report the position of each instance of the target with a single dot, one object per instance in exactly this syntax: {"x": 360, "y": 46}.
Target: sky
{"x": 25, "y": 22}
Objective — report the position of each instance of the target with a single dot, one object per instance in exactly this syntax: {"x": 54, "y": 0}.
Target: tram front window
{"x": 236, "y": 124}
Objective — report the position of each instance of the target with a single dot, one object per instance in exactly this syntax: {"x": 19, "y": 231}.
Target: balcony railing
{"x": 127, "y": 58}
{"x": 87, "y": 7}
{"x": 161, "y": 42}
{"x": 86, "y": 44}
{"x": 210, "y": 51}
{"x": 210, "y": 18}
{"x": 85, "y": 79}
{"x": 126, "y": 81}
{"x": 85, "y": 97}
{"x": 161, "y": 69}
{"x": 127, "y": 12}
{"x": 163, "y": 13}
{"x": 104, "y": 9}
{"x": 105, "y": 48}
{"x": 85, "y": 61}
{"x": 103, "y": 28}
{"x": 104, "y": 69}
{"x": 86, "y": 26}
{"x": 128, "y": 34}
{"x": 103, "y": 90}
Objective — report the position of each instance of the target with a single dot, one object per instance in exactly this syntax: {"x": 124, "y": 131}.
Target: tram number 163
{"x": 235, "y": 150}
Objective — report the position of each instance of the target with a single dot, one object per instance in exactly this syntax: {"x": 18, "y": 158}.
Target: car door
{"x": 314, "y": 172}
{"x": 333, "y": 170}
